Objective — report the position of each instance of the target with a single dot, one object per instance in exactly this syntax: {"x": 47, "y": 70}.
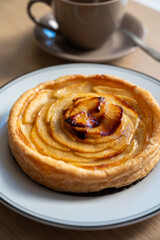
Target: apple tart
{"x": 85, "y": 133}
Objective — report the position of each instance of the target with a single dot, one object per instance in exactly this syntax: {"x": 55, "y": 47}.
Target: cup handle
{"x": 37, "y": 20}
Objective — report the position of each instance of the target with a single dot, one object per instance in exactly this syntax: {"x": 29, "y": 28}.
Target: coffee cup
{"x": 85, "y": 23}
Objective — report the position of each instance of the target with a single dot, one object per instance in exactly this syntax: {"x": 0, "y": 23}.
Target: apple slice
{"x": 111, "y": 90}
{"x": 42, "y": 129}
{"x": 73, "y": 88}
{"x": 33, "y": 107}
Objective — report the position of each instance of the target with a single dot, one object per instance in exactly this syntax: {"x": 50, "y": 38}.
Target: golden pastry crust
{"x": 83, "y": 133}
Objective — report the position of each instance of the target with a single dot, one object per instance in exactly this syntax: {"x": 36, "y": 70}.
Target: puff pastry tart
{"x": 84, "y": 133}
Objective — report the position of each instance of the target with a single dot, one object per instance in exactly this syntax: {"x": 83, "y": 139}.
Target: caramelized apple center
{"x": 92, "y": 117}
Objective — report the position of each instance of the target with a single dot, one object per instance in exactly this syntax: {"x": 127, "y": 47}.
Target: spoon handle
{"x": 153, "y": 53}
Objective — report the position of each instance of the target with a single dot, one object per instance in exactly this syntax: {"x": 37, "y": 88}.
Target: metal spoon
{"x": 145, "y": 47}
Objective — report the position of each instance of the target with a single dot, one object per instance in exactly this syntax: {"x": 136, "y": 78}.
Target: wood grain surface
{"x": 20, "y": 54}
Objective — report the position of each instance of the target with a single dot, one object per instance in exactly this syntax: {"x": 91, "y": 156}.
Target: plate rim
{"x": 38, "y": 217}
{"x": 81, "y": 227}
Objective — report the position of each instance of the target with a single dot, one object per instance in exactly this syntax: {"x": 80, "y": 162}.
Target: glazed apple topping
{"x": 84, "y": 119}
{"x": 94, "y": 116}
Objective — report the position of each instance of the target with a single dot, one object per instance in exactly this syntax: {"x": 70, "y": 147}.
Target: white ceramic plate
{"x": 133, "y": 204}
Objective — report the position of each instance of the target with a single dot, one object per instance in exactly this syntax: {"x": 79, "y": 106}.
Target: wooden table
{"x": 18, "y": 55}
